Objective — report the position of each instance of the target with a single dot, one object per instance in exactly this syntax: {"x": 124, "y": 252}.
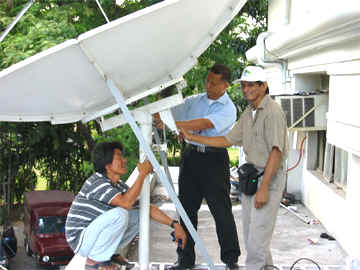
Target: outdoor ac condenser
{"x": 295, "y": 107}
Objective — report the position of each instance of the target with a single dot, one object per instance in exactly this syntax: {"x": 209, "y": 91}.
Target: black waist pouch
{"x": 248, "y": 178}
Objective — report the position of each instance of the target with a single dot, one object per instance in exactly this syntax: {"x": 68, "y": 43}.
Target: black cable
{"x": 265, "y": 267}
{"x": 307, "y": 259}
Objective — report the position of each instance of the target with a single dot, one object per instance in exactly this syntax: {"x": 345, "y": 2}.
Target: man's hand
{"x": 179, "y": 233}
{"x": 158, "y": 122}
{"x": 185, "y": 134}
{"x": 261, "y": 196}
{"x": 145, "y": 168}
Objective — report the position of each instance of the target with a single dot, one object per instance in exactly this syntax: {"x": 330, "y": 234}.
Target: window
{"x": 340, "y": 167}
{"x": 321, "y": 144}
{"x": 51, "y": 224}
{"x": 329, "y": 160}
{"x": 335, "y": 165}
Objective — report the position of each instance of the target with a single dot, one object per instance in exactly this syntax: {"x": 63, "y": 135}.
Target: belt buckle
{"x": 200, "y": 148}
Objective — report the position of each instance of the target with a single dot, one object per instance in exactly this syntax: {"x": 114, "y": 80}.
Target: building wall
{"x": 302, "y": 11}
{"x": 334, "y": 67}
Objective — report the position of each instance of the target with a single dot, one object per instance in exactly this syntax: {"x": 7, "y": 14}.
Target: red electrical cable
{"x": 300, "y": 155}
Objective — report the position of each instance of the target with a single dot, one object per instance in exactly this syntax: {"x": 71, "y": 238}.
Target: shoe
{"x": 178, "y": 267}
{"x": 100, "y": 265}
{"x": 232, "y": 266}
{"x": 117, "y": 259}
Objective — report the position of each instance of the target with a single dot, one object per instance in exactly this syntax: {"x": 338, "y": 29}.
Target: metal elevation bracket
{"x": 129, "y": 118}
{"x": 163, "y": 155}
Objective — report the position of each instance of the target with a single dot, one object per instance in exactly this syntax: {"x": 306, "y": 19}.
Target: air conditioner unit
{"x": 296, "y": 107}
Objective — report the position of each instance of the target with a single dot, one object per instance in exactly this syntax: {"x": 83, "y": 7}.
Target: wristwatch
{"x": 173, "y": 222}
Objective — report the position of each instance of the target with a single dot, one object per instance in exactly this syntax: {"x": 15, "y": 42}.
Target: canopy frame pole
{"x": 150, "y": 155}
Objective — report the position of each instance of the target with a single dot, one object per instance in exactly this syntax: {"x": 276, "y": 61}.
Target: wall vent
{"x": 295, "y": 107}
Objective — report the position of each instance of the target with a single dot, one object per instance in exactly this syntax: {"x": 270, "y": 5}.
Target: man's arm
{"x": 272, "y": 164}
{"x": 218, "y": 141}
{"x": 195, "y": 124}
{"x": 162, "y": 218}
{"x": 128, "y": 199}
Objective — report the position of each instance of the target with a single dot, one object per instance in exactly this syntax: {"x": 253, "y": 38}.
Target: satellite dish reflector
{"x": 139, "y": 53}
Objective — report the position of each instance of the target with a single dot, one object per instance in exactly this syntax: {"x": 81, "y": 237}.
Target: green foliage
{"x": 55, "y": 152}
{"x": 238, "y": 98}
{"x": 51, "y": 22}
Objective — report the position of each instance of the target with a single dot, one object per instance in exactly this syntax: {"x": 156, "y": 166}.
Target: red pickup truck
{"x": 44, "y": 226}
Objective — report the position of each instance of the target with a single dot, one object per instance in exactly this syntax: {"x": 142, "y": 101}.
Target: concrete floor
{"x": 290, "y": 241}
{"x": 293, "y": 239}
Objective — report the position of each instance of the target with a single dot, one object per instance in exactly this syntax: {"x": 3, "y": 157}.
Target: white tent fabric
{"x": 139, "y": 52}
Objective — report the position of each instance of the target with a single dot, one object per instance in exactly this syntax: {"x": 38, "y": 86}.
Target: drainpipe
{"x": 281, "y": 64}
{"x": 286, "y": 11}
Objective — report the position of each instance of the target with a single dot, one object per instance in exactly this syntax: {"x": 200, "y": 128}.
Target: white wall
{"x": 301, "y": 11}
{"x": 344, "y": 112}
{"x": 336, "y": 54}
{"x": 337, "y": 211}
{"x": 339, "y": 214}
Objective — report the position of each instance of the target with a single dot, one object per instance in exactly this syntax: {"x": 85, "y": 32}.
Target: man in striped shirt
{"x": 104, "y": 214}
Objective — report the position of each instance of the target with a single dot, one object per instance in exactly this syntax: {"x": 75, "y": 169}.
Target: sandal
{"x": 120, "y": 261}
{"x": 99, "y": 265}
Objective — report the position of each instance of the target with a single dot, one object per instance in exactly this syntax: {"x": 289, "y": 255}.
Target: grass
{"x": 233, "y": 155}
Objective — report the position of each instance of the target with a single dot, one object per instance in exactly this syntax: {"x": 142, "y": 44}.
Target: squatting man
{"x": 104, "y": 215}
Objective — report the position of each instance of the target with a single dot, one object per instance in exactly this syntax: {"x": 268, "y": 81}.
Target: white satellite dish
{"x": 139, "y": 52}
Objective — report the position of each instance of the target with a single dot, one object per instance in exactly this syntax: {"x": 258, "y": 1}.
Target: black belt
{"x": 205, "y": 149}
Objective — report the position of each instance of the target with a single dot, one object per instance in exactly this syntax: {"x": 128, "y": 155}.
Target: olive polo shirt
{"x": 260, "y": 134}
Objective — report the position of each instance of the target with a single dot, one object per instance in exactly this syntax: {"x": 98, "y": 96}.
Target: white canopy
{"x": 140, "y": 53}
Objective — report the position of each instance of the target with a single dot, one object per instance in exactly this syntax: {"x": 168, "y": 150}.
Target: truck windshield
{"x": 51, "y": 224}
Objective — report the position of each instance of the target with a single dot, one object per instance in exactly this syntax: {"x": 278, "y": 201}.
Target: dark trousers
{"x": 207, "y": 175}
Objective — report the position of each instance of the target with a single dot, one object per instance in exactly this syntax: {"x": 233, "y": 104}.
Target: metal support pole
{"x": 129, "y": 118}
{"x": 144, "y": 240}
{"x": 163, "y": 155}
{"x": 14, "y": 22}
{"x": 102, "y": 11}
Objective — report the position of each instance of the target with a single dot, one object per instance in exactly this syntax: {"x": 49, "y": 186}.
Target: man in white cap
{"x": 262, "y": 132}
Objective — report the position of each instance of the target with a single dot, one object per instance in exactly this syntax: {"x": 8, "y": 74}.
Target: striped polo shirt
{"x": 92, "y": 200}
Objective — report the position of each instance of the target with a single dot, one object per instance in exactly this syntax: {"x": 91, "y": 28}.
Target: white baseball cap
{"x": 253, "y": 74}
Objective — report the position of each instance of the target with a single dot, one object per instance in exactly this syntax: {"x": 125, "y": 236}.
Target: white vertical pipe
{"x": 281, "y": 64}
{"x": 146, "y": 130}
{"x": 286, "y": 12}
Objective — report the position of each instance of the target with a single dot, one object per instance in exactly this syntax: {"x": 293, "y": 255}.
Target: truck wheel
{"x": 27, "y": 247}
